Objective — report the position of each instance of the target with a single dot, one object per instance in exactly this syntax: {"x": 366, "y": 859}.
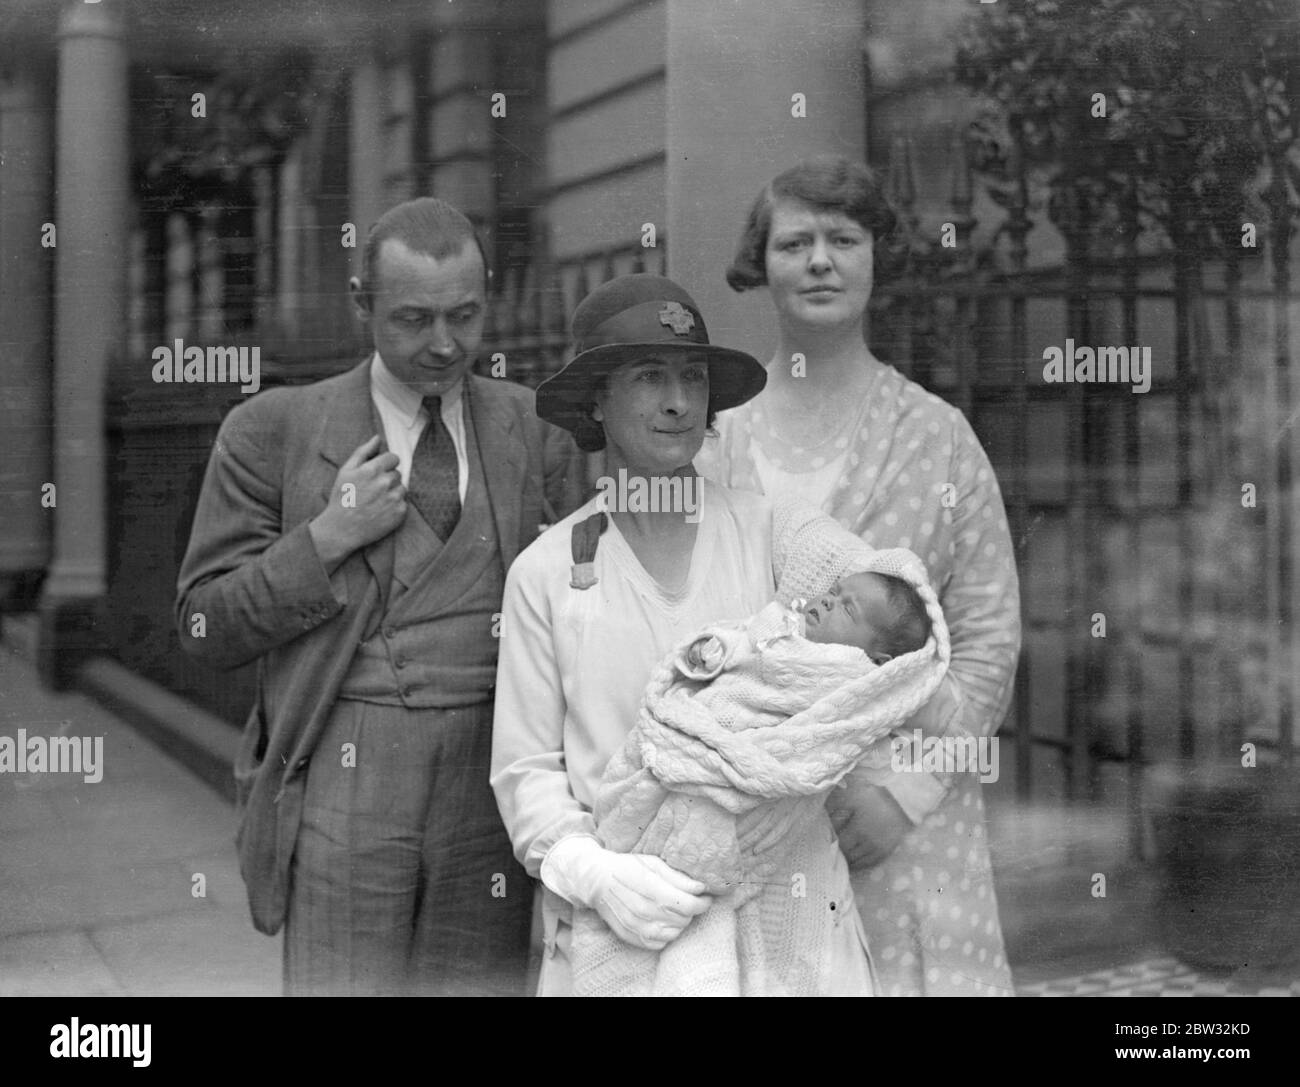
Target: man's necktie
{"x": 434, "y": 487}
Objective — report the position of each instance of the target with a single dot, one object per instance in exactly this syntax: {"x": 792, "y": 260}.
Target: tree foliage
{"x": 1202, "y": 109}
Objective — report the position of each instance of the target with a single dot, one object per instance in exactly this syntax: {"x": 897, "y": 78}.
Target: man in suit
{"x": 352, "y": 536}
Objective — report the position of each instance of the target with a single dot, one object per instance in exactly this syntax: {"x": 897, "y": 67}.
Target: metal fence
{"x": 1156, "y": 531}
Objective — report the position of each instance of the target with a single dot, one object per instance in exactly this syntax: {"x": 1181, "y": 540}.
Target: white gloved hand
{"x": 644, "y": 901}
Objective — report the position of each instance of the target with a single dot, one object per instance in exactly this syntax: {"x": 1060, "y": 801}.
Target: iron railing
{"x": 1200, "y": 653}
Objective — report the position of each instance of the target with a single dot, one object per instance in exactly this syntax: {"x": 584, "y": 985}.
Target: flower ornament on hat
{"x": 676, "y": 318}
{"x": 629, "y": 318}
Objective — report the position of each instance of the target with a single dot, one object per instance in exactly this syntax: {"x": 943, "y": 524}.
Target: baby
{"x": 880, "y": 614}
{"x": 741, "y": 733}
{"x": 768, "y": 665}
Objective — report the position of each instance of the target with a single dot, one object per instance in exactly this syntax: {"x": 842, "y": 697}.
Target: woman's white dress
{"x": 573, "y": 667}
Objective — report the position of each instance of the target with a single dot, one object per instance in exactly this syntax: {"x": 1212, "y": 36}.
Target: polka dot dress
{"x": 930, "y": 911}
{"x": 915, "y": 476}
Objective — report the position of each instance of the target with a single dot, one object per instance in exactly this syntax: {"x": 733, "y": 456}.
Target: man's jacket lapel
{"x": 501, "y": 452}
{"x": 351, "y": 420}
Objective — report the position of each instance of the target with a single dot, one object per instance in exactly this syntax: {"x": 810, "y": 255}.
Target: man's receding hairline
{"x": 469, "y": 242}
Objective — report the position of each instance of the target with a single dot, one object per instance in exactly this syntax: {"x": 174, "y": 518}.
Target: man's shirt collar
{"x": 401, "y": 397}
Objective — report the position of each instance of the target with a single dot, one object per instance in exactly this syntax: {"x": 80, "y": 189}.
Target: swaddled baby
{"x": 780, "y": 661}
{"x": 741, "y": 733}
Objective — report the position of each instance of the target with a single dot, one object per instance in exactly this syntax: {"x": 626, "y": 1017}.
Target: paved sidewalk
{"x": 97, "y": 879}
{"x": 98, "y": 888}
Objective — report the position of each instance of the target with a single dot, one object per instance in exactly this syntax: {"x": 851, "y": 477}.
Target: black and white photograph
{"x": 650, "y": 498}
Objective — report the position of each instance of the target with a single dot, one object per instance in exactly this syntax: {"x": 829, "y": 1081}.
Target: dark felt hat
{"x": 626, "y": 319}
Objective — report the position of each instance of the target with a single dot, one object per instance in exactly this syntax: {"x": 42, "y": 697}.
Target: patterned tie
{"x": 434, "y": 488}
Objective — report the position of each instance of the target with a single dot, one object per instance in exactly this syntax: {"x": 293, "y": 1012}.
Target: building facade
{"x": 202, "y": 174}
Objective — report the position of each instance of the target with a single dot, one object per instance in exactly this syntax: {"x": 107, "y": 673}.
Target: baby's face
{"x": 854, "y": 612}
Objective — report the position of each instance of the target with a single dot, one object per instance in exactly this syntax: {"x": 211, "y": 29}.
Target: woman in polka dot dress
{"x": 900, "y": 468}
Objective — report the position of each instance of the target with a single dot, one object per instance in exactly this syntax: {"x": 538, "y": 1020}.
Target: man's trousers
{"x": 403, "y": 880}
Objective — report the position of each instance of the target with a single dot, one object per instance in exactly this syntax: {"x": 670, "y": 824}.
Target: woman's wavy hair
{"x": 826, "y": 182}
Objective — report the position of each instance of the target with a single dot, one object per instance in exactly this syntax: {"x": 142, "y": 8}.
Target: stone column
{"x": 179, "y": 302}
{"x": 289, "y": 267}
{"x": 92, "y": 182}
{"x": 26, "y": 278}
{"x": 264, "y": 249}
{"x": 461, "y": 128}
{"x": 366, "y": 158}
{"x": 211, "y": 275}
{"x": 733, "y": 70}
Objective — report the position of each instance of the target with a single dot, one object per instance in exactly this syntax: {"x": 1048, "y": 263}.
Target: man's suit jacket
{"x": 252, "y": 572}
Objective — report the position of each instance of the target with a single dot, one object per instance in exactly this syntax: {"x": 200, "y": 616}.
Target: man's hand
{"x": 375, "y": 504}
{"x": 869, "y": 822}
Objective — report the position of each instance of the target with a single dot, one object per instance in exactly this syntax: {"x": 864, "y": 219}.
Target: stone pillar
{"x": 264, "y": 249}
{"x": 211, "y": 275}
{"x": 137, "y": 333}
{"x": 461, "y": 128}
{"x": 730, "y": 129}
{"x": 26, "y": 279}
{"x": 366, "y": 154}
{"x": 179, "y": 303}
{"x": 290, "y": 263}
{"x": 92, "y": 216}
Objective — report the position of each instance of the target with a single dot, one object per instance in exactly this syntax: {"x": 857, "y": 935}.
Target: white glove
{"x": 643, "y": 900}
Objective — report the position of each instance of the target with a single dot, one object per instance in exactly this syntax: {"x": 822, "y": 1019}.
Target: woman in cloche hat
{"x": 599, "y": 600}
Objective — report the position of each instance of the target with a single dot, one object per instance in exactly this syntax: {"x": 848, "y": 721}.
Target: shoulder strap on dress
{"x": 582, "y": 543}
